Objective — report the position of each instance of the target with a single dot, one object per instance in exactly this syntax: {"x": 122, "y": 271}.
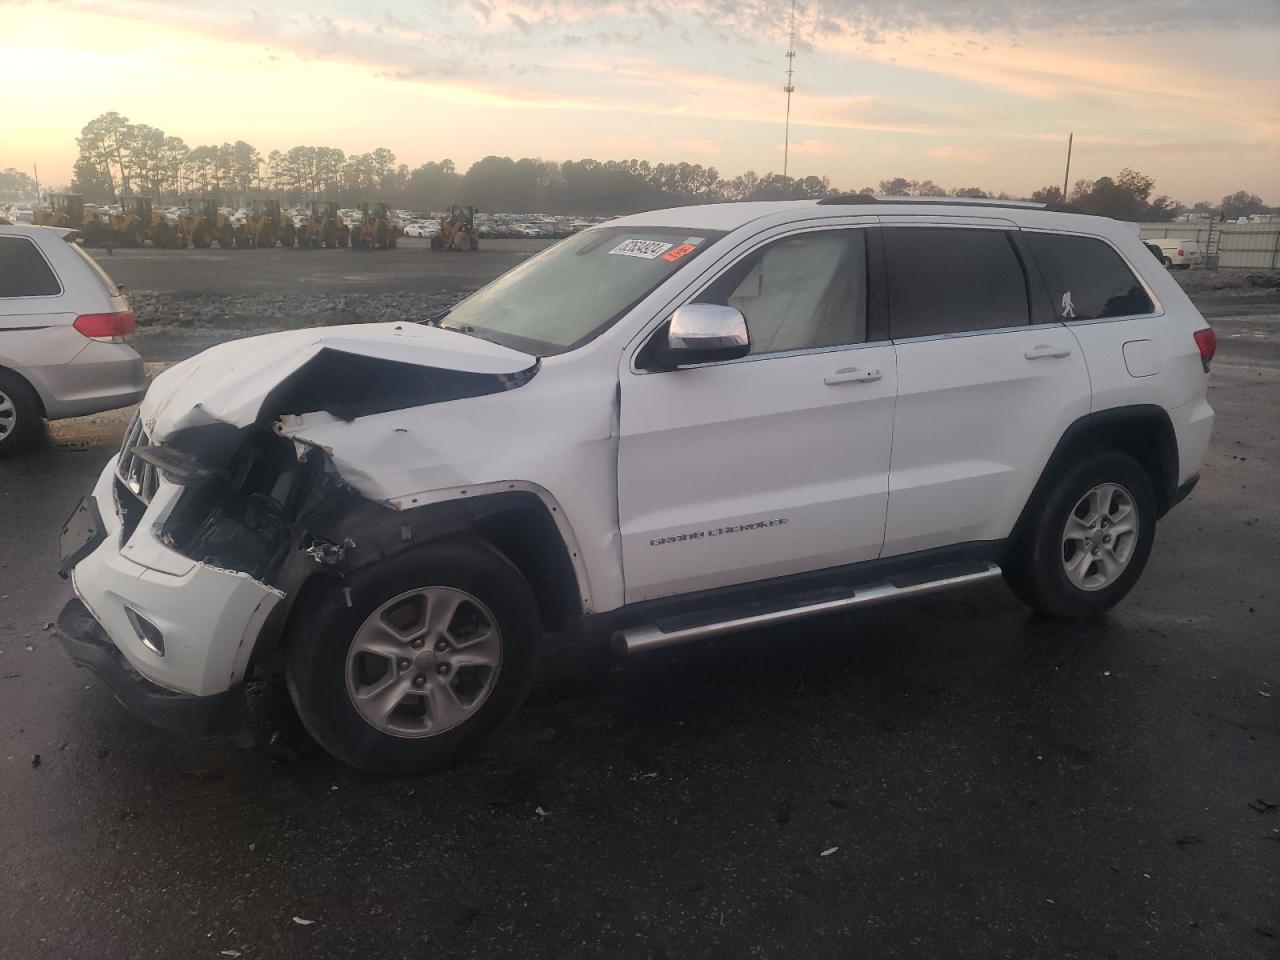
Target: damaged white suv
{"x": 676, "y": 425}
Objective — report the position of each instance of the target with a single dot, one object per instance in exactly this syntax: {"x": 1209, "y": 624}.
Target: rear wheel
{"x": 1089, "y": 540}
{"x": 20, "y": 415}
{"x": 432, "y": 653}
{"x": 1168, "y": 262}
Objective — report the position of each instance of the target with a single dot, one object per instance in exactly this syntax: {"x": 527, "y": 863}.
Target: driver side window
{"x": 801, "y": 292}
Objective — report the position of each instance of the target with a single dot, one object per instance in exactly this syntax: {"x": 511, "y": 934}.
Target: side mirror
{"x": 704, "y": 333}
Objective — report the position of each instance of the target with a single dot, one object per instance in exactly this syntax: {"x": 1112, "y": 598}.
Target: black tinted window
{"x": 1086, "y": 277}
{"x": 23, "y": 270}
{"x": 948, "y": 280}
{"x": 800, "y": 292}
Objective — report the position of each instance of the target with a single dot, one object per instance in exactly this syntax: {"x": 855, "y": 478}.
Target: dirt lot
{"x": 947, "y": 778}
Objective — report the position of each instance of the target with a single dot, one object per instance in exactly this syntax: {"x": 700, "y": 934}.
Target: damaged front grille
{"x": 138, "y": 477}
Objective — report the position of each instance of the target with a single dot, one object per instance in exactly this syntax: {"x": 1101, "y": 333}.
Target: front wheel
{"x": 433, "y": 652}
{"x": 1087, "y": 544}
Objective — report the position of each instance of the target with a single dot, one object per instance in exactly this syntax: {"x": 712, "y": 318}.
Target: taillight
{"x": 1207, "y": 341}
{"x": 1180, "y": 253}
{"x": 106, "y": 326}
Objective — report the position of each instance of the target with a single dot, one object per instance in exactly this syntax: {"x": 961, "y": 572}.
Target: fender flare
{"x": 428, "y": 498}
{"x": 1099, "y": 424}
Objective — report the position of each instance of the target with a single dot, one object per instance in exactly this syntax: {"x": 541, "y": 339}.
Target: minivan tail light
{"x": 106, "y": 326}
{"x": 1207, "y": 341}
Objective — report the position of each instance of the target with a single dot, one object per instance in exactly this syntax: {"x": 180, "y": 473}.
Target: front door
{"x": 773, "y": 464}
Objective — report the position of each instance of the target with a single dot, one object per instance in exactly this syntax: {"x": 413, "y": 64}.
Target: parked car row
{"x": 18, "y": 213}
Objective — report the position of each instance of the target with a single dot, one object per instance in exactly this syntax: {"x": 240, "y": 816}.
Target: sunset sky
{"x": 964, "y": 92}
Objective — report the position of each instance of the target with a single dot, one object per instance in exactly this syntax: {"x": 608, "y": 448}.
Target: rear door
{"x": 776, "y": 463}
{"x": 987, "y": 382}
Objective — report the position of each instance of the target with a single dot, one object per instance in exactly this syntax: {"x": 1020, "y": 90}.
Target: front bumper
{"x": 209, "y": 618}
{"x": 89, "y": 647}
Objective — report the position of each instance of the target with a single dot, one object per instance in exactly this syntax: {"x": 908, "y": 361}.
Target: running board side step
{"x": 652, "y": 636}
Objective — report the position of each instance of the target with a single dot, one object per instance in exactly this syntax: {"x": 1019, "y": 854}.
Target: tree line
{"x": 119, "y": 159}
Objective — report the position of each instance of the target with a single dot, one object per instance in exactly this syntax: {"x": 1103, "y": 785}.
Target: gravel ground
{"x": 257, "y": 313}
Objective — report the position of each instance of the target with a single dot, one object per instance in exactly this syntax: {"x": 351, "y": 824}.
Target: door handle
{"x": 852, "y": 375}
{"x": 1042, "y": 351}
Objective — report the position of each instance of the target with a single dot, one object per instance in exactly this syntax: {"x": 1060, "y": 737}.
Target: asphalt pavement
{"x": 947, "y": 778}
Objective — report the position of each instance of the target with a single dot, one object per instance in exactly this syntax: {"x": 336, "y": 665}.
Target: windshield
{"x": 578, "y": 288}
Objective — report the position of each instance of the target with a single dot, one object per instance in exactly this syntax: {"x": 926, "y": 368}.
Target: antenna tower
{"x": 789, "y": 89}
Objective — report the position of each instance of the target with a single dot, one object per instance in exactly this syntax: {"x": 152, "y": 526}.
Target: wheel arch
{"x": 518, "y": 524}
{"x": 33, "y": 387}
{"x": 1143, "y": 431}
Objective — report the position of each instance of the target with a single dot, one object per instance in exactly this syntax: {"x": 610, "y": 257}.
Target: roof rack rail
{"x": 851, "y": 199}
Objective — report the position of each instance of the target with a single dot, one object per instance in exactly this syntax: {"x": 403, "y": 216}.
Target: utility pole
{"x": 36, "y": 169}
{"x": 788, "y": 90}
{"x": 1067, "y": 176}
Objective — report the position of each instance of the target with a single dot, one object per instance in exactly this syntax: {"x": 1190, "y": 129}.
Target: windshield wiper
{"x": 470, "y": 331}
{"x": 435, "y": 318}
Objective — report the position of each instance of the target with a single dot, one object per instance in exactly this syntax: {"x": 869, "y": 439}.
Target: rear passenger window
{"x": 24, "y": 271}
{"x": 949, "y": 280}
{"x": 1087, "y": 279}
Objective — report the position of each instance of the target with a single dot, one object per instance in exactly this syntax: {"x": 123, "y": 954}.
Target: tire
{"x": 1036, "y": 569}
{"x": 325, "y": 670}
{"x": 21, "y": 415}
{"x": 1168, "y": 263}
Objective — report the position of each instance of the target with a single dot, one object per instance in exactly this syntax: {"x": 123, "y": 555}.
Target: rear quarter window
{"x": 1087, "y": 279}
{"x": 24, "y": 272}
{"x": 103, "y": 277}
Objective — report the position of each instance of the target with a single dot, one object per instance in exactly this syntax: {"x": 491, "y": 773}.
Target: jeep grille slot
{"x": 139, "y": 477}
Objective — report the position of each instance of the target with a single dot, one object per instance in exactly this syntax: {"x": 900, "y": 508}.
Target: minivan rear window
{"x": 24, "y": 272}
{"x": 1087, "y": 279}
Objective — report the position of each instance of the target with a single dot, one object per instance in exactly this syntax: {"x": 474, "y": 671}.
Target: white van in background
{"x": 1182, "y": 254}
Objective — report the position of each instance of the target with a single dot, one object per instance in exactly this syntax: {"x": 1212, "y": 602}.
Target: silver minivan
{"x": 64, "y": 332}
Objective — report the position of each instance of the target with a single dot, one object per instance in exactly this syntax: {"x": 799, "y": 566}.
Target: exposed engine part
{"x": 324, "y": 552}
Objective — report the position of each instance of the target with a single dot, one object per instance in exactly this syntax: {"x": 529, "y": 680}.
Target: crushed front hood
{"x": 228, "y": 384}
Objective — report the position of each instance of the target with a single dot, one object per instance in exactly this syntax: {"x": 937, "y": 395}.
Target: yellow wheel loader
{"x": 325, "y": 227}
{"x": 457, "y": 230}
{"x": 374, "y": 229}
{"x": 206, "y": 223}
{"x": 67, "y": 211}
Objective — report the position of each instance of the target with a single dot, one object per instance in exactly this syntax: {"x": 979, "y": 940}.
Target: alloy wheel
{"x": 8, "y": 415}
{"x": 1099, "y": 537}
{"x": 424, "y": 662}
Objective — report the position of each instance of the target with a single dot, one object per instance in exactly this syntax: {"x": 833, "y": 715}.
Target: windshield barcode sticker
{"x": 644, "y": 249}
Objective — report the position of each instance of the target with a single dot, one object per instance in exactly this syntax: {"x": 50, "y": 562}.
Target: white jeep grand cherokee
{"x": 675, "y": 425}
